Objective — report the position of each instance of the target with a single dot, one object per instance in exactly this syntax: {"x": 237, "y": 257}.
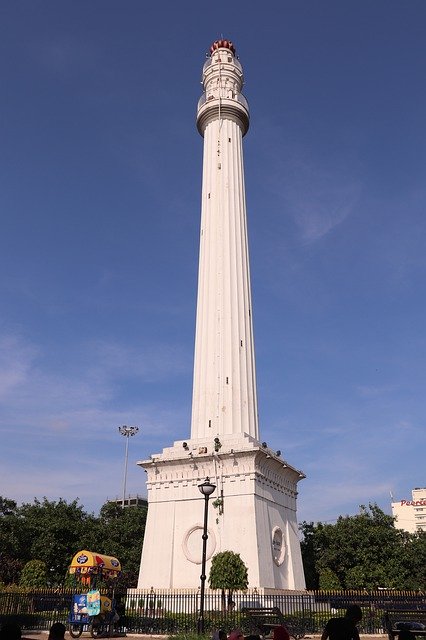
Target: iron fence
{"x": 162, "y": 611}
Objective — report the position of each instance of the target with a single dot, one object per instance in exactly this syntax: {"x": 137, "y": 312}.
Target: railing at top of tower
{"x": 210, "y": 61}
{"x": 236, "y": 98}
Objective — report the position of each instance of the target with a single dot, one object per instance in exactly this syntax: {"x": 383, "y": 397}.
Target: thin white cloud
{"x": 317, "y": 199}
{"x": 16, "y": 361}
{"x": 373, "y": 391}
{"x": 84, "y": 396}
{"x": 317, "y": 194}
{"x": 405, "y": 425}
{"x": 149, "y": 362}
{"x": 59, "y": 427}
{"x": 330, "y": 499}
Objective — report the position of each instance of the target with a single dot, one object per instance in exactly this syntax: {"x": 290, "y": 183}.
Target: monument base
{"x": 252, "y": 512}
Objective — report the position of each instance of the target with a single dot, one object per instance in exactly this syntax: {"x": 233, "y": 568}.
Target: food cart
{"x": 91, "y": 611}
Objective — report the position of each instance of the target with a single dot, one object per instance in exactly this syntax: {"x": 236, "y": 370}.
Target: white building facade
{"x": 253, "y": 510}
{"x": 411, "y": 513}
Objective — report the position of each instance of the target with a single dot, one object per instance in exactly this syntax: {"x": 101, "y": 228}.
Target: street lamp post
{"x": 206, "y": 489}
{"x": 126, "y": 432}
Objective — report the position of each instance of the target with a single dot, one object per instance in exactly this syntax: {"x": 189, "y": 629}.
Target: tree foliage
{"x": 51, "y": 532}
{"x": 120, "y": 533}
{"x": 10, "y": 542}
{"x": 228, "y": 572}
{"x": 363, "y": 551}
{"x": 34, "y": 575}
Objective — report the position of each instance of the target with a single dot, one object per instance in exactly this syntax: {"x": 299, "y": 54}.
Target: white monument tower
{"x": 253, "y": 510}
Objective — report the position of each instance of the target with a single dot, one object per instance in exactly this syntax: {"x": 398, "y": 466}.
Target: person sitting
{"x": 10, "y": 631}
{"x": 281, "y": 633}
{"x": 344, "y": 628}
{"x": 57, "y": 631}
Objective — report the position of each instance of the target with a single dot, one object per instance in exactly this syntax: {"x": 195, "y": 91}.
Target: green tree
{"x": 34, "y": 575}
{"x": 10, "y": 533}
{"x": 328, "y": 580}
{"x": 311, "y": 549}
{"x": 53, "y": 531}
{"x": 228, "y": 571}
{"x": 43, "y": 530}
{"x": 120, "y": 532}
{"x": 413, "y": 560}
{"x": 7, "y": 507}
{"x": 365, "y": 550}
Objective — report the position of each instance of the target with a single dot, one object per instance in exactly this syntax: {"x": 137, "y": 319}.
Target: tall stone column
{"x": 253, "y": 511}
{"x": 224, "y": 392}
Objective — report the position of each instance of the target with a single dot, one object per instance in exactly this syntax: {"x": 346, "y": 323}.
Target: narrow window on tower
{"x": 208, "y": 196}
{"x": 210, "y": 423}
{"x": 229, "y": 139}
{"x": 219, "y": 166}
{"x": 227, "y": 380}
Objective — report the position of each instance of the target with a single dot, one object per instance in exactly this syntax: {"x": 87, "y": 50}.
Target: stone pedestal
{"x": 252, "y": 512}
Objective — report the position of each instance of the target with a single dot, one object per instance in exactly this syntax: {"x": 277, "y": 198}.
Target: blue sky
{"x": 100, "y": 181}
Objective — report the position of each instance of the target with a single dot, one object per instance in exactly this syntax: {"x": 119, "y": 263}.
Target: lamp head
{"x": 128, "y": 431}
{"x": 206, "y": 487}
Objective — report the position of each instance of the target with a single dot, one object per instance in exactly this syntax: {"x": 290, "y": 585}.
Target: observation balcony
{"x": 237, "y": 98}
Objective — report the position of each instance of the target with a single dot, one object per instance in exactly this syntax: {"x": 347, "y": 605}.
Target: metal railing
{"x": 163, "y": 611}
{"x": 238, "y": 97}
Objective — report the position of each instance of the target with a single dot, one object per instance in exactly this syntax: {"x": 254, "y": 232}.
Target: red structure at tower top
{"x": 222, "y": 44}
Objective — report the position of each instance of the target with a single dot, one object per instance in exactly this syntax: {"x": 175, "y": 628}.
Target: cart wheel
{"x": 75, "y": 630}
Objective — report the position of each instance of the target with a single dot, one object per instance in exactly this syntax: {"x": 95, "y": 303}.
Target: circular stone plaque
{"x": 192, "y": 544}
{"x": 278, "y": 545}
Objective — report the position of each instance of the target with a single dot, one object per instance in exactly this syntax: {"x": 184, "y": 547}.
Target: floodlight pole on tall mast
{"x": 126, "y": 432}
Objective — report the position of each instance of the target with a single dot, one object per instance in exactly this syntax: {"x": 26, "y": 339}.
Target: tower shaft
{"x": 224, "y": 389}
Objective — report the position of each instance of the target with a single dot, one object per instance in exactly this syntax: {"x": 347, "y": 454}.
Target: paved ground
{"x": 42, "y": 635}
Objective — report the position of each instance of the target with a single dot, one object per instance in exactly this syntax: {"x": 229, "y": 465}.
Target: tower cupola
{"x": 222, "y": 81}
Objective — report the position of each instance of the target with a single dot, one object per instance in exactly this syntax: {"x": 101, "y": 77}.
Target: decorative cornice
{"x": 251, "y": 465}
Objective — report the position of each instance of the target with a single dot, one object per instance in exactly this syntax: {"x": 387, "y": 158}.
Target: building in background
{"x": 411, "y": 513}
{"x": 130, "y": 501}
{"x": 253, "y": 511}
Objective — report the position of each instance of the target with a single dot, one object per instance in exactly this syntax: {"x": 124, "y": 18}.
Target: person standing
{"x": 344, "y": 628}
{"x": 10, "y": 631}
{"x": 57, "y": 631}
